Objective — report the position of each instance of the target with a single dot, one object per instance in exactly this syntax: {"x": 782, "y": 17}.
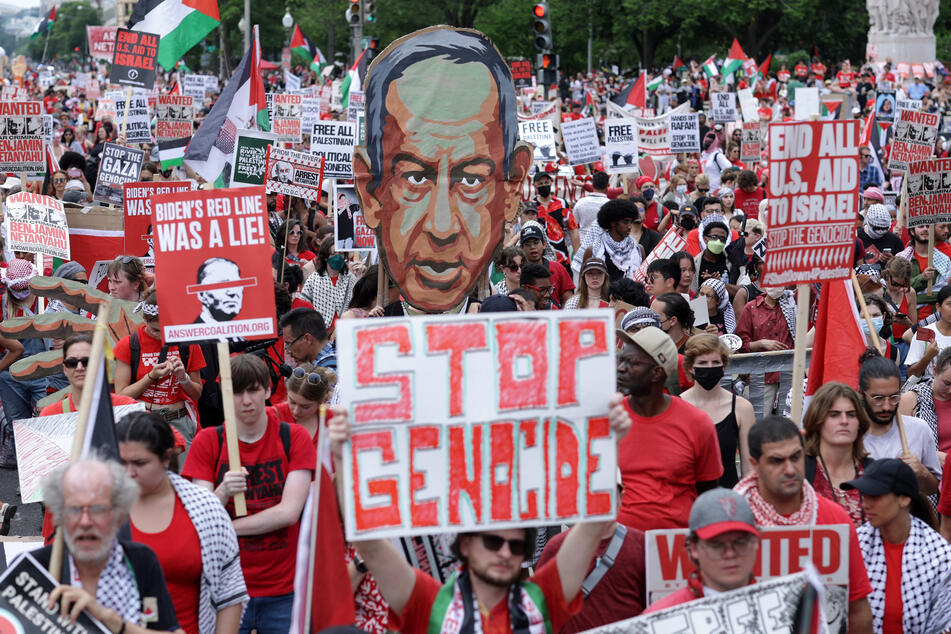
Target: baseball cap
{"x": 688, "y": 208}
{"x": 719, "y": 511}
{"x": 11, "y": 183}
{"x": 540, "y": 174}
{"x": 888, "y": 475}
{"x": 657, "y": 344}
{"x": 531, "y": 231}
{"x": 498, "y": 304}
{"x": 593, "y": 264}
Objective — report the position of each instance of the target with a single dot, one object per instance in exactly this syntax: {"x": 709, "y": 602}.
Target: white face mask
{"x": 681, "y": 189}
{"x": 775, "y": 292}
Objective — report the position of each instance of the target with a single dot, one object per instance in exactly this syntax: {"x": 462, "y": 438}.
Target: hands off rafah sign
{"x": 513, "y": 432}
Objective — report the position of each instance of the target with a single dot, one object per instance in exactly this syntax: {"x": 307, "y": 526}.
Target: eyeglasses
{"x": 59, "y": 180}
{"x": 865, "y": 155}
{"x": 878, "y": 399}
{"x": 288, "y": 344}
{"x": 514, "y": 267}
{"x": 544, "y": 290}
{"x": 494, "y": 543}
{"x": 96, "y": 511}
{"x": 294, "y": 233}
{"x": 741, "y": 546}
{"x": 73, "y": 362}
{"x": 312, "y": 377}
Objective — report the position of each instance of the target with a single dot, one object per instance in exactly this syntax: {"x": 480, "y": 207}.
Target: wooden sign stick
{"x": 799, "y": 352}
{"x": 231, "y": 430}
{"x": 863, "y": 307}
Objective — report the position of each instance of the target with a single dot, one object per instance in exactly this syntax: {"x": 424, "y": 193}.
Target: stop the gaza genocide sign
{"x": 813, "y": 201}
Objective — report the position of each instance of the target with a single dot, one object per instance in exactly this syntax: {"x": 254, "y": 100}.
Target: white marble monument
{"x": 902, "y": 30}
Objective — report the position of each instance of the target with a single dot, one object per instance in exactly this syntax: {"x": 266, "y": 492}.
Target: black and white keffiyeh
{"x": 117, "y": 589}
{"x": 329, "y": 299}
{"x": 625, "y": 255}
{"x": 787, "y": 303}
{"x": 925, "y": 577}
{"x": 723, "y": 303}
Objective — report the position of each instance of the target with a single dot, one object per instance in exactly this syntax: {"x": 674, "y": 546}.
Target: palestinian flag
{"x": 634, "y": 94}
{"x": 734, "y": 60}
{"x": 764, "y": 68}
{"x": 590, "y": 104}
{"x": 301, "y": 45}
{"x": 710, "y": 67}
{"x": 45, "y": 24}
{"x": 838, "y": 338}
{"x": 319, "y": 61}
{"x": 242, "y": 105}
{"x": 657, "y": 81}
{"x": 353, "y": 80}
{"x": 830, "y": 109}
{"x": 180, "y": 24}
{"x": 678, "y": 63}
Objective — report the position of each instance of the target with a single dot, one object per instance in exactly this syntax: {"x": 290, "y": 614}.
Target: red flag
{"x": 839, "y": 339}
{"x": 866, "y": 137}
{"x": 815, "y": 51}
{"x": 678, "y": 63}
{"x": 764, "y": 67}
{"x": 637, "y": 96}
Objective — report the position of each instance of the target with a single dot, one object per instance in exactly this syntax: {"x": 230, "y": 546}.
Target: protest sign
{"x": 44, "y": 443}
{"x": 92, "y": 89}
{"x": 653, "y": 134}
{"x": 48, "y": 128}
{"x": 285, "y": 122}
{"x": 620, "y": 145}
{"x": 213, "y": 265}
{"x": 915, "y": 134}
{"x": 309, "y": 112}
{"x": 24, "y": 590}
{"x": 138, "y": 199}
{"x": 105, "y": 109}
{"x": 293, "y": 173}
{"x": 783, "y": 550}
{"x": 807, "y": 103}
{"x": 194, "y": 86}
{"x": 448, "y": 457}
{"x": 672, "y": 242}
{"x": 929, "y": 192}
{"x": 354, "y": 105}
{"x": 750, "y": 142}
{"x": 521, "y": 73}
{"x": 724, "y": 107}
{"x": 21, "y": 141}
{"x": 119, "y": 165}
{"x": 684, "y": 132}
{"x": 37, "y": 224}
{"x": 334, "y": 141}
{"x": 813, "y": 201}
{"x": 133, "y": 61}
{"x": 885, "y": 106}
{"x": 351, "y": 232}
{"x": 102, "y": 42}
{"x": 137, "y": 126}
{"x": 766, "y": 606}
{"x": 541, "y": 135}
{"x": 748, "y": 105}
{"x": 537, "y": 107}
{"x": 908, "y": 104}
{"x": 14, "y": 93}
{"x": 174, "y": 126}
{"x": 249, "y": 159}
{"x": 13, "y": 547}
{"x": 211, "y": 83}
{"x": 581, "y": 141}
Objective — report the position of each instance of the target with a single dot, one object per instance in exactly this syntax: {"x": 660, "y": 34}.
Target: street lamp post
{"x": 288, "y": 22}
{"x": 246, "y": 29}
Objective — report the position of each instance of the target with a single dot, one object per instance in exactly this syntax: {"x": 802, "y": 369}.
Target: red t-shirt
{"x": 662, "y": 459}
{"x": 891, "y": 618}
{"x": 69, "y": 405}
{"x": 268, "y": 560}
{"x": 801, "y": 70}
{"x": 783, "y": 75}
{"x": 845, "y": 79}
{"x": 748, "y": 203}
{"x": 830, "y": 512}
{"x": 179, "y": 554}
{"x": 416, "y": 613}
{"x": 165, "y": 391}
{"x": 560, "y": 280}
{"x": 944, "y": 500}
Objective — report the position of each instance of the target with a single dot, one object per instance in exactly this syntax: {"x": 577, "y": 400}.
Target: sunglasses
{"x": 494, "y": 543}
{"x": 312, "y": 377}
{"x": 59, "y": 180}
{"x": 73, "y": 362}
{"x": 124, "y": 259}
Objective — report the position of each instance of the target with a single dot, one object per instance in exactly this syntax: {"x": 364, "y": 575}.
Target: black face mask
{"x": 543, "y": 190}
{"x": 688, "y": 222}
{"x": 708, "y": 378}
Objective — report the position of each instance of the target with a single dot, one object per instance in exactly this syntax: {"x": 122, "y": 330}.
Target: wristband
{"x": 150, "y": 376}
{"x": 357, "y": 563}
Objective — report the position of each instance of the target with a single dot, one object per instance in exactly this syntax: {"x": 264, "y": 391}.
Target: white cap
{"x": 75, "y": 184}
{"x": 12, "y": 182}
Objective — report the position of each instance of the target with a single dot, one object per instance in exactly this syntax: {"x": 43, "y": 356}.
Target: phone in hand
{"x": 74, "y": 172}
{"x": 901, "y": 316}
{"x": 925, "y": 334}
{"x": 163, "y": 354}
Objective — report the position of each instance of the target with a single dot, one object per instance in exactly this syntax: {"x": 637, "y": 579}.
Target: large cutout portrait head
{"x": 442, "y": 167}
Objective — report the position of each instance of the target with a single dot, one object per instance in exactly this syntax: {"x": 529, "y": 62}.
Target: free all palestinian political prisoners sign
{"x": 334, "y": 141}
{"x": 915, "y": 134}
{"x": 37, "y": 224}
{"x": 213, "y": 265}
{"x": 513, "y": 432}
{"x": 137, "y": 203}
{"x": 929, "y": 192}
{"x": 813, "y": 201}
{"x": 21, "y": 136}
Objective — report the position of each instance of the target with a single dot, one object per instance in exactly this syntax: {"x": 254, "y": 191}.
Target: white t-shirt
{"x": 713, "y": 163}
{"x": 586, "y": 209}
{"x": 917, "y": 348}
{"x": 921, "y": 443}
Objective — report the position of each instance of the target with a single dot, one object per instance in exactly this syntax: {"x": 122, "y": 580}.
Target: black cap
{"x": 540, "y": 174}
{"x": 689, "y": 208}
{"x": 498, "y": 304}
{"x": 531, "y": 231}
{"x": 888, "y": 475}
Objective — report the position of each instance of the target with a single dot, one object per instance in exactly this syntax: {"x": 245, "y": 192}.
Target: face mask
{"x": 648, "y": 194}
{"x": 20, "y": 295}
{"x": 335, "y": 262}
{"x": 681, "y": 189}
{"x": 877, "y": 322}
{"x": 715, "y": 247}
{"x": 543, "y": 190}
{"x": 708, "y": 378}
{"x": 775, "y": 292}
{"x": 688, "y": 222}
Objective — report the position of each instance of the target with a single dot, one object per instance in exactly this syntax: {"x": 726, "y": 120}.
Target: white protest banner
{"x": 249, "y": 159}
{"x": 194, "y": 86}
{"x": 293, "y": 173}
{"x": 334, "y": 141}
{"x": 929, "y": 192}
{"x": 286, "y": 119}
{"x": 620, "y": 145}
{"x": 14, "y": 93}
{"x": 105, "y": 109}
{"x": 783, "y": 550}
{"x": 748, "y": 105}
{"x": 119, "y": 165}
{"x": 908, "y": 104}
{"x": 724, "y": 106}
{"x": 653, "y": 134}
{"x": 174, "y": 126}
{"x": 766, "y": 606}
{"x": 21, "y": 136}
{"x": 44, "y": 443}
{"x": 48, "y": 128}
{"x": 291, "y": 81}
{"x": 750, "y": 142}
{"x": 807, "y": 103}
{"x": 915, "y": 134}
{"x": 310, "y": 113}
{"x": 354, "y": 105}
{"x": 672, "y": 242}
{"x": 581, "y": 141}
{"x": 541, "y": 134}
{"x": 813, "y": 201}
{"x": 137, "y": 128}
{"x": 351, "y": 232}
{"x": 37, "y": 224}
{"x": 684, "y": 132}
{"x": 211, "y": 84}
{"x": 430, "y": 457}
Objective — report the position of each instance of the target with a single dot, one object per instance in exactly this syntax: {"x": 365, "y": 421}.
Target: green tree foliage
{"x": 67, "y": 34}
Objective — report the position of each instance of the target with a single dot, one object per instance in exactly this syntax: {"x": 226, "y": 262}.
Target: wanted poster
{"x": 102, "y": 42}
{"x": 137, "y": 205}
{"x": 915, "y": 134}
{"x": 334, "y": 141}
{"x": 351, "y": 232}
{"x": 620, "y": 145}
{"x": 213, "y": 265}
{"x": 581, "y": 141}
{"x": 175, "y": 115}
{"x": 293, "y": 173}
{"x": 118, "y": 165}
{"x": 724, "y": 107}
{"x": 750, "y": 143}
{"x": 684, "y": 132}
{"x": 813, "y": 201}
{"x": 541, "y": 134}
{"x": 249, "y": 159}
{"x": 929, "y": 192}
{"x": 37, "y": 224}
{"x": 286, "y": 118}
{"x": 21, "y": 136}
{"x": 133, "y": 61}
{"x": 137, "y": 127}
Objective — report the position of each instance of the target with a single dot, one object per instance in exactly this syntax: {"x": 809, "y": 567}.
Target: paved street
{"x": 29, "y": 518}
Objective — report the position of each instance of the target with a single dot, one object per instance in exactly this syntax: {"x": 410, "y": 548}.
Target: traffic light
{"x": 548, "y": 68}
{"x": 353, "y": 13}
{"x": 373, "y": 49}
{"x": 541, "y": 26}
{"x": 369, "y": 12}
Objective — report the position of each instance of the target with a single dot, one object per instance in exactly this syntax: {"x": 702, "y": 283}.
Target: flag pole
{"x": 46, "y": 43}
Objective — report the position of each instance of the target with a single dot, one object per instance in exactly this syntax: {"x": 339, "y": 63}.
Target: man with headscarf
{"x": 638, "y": 318}
{"x": 876, "y": 235}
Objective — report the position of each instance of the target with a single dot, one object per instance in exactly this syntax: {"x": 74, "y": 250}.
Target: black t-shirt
{"x": 649, "y": 239}
{"x": 887, "y": 241}
{"x": 716, "y": 267}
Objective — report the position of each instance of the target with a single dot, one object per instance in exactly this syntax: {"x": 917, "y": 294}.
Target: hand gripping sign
{"x": 461, "y": 423}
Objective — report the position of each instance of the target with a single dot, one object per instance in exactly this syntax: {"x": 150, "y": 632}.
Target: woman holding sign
{"x": 294, "y": 248}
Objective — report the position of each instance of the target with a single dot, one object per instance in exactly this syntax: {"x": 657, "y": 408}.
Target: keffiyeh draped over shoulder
{"x": 625, "y": 255}
{"x": 723, "y": 303}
